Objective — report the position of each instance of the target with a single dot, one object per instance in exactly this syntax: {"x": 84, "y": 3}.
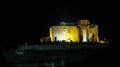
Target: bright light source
{"x": 68, "y": 40}
{"x": 84, "y": 35}
{"x": 61, "y": 37}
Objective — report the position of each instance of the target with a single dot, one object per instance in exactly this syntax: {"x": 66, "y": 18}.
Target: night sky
{"x": 19, "y": 27}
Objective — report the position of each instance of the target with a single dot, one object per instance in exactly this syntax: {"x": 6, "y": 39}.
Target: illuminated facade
{"x": 64, "y": 33}
{"x": 87, "y": 31}
{"x": 81, "y": 32}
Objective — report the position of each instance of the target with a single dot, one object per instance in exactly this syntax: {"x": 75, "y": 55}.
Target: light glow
{"x": 84, "y": 35}
{"x": 68, "y": 40}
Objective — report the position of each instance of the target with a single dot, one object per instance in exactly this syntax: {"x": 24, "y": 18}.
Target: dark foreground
{"x": 59, "y": 57}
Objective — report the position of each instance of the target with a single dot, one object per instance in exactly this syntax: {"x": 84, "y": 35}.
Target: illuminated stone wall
{"x": 95, "y": 31}
{"x": 91, "y": 34}
{"x": 64, "y": 33}
{"x": 83, "y": 32}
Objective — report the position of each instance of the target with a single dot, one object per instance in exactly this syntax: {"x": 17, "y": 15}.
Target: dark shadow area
{"x": 4, "y": 62}
{"x": 101, "y": 57}
{"x": 107, "y": 57}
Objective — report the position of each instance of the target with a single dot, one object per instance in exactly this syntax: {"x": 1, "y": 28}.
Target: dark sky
{"x": 30, "y": 27}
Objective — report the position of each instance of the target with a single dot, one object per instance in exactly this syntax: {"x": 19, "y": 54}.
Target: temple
{"x": 82, "y": 31}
